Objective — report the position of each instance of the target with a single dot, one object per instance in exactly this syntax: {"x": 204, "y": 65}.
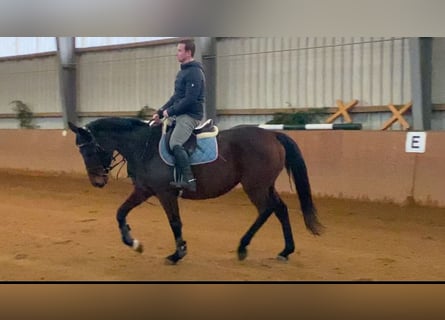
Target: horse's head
{"x": 97, "y": 160}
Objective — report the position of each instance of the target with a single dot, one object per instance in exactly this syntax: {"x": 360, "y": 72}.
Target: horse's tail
{"x": 296, "y": 168}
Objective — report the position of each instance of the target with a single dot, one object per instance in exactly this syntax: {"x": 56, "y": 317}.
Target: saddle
{"x": 202, "y": 146}
{"x": 204, "y": 130}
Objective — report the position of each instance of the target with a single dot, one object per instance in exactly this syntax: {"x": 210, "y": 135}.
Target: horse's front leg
{"x": 138, "y": 196}
{"x": 169, "y": 201}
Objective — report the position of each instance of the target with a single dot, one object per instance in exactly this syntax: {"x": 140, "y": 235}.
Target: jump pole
{"x": 315, "y": 126}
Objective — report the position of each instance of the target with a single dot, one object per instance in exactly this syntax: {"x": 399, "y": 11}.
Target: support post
{"x": 421, "y": 69}
{"x": 207, "y": 56}
{"x": 67, "y": 78}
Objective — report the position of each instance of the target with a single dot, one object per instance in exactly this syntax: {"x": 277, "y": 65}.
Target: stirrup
{"x": 190, "y": 185}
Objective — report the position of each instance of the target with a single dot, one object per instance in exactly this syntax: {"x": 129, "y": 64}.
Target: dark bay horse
{"x": 248, "y": 155}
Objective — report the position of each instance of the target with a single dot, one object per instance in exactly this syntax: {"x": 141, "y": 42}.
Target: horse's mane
{"x": 116, "y": 124}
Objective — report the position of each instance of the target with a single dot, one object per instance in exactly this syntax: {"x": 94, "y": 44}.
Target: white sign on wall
{"x": 415, "y": 142}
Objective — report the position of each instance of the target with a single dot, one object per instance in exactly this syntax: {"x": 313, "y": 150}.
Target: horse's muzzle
{"x": 98, "y": 181}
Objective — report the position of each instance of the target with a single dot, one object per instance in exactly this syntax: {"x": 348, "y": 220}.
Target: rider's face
{"x": 182, "y": 55}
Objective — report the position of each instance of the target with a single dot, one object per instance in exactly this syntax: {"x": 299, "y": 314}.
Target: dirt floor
{"x": 58, "y": 227}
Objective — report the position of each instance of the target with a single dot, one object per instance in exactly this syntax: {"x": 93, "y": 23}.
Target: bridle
{"x": 104, "y": 165}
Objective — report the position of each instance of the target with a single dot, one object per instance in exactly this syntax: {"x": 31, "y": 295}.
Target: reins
{"x": 112, "y": 166}
{"x": 152, "y": 123}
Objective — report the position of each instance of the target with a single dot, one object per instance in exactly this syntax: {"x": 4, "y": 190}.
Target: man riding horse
{"x": 187, "y": 105}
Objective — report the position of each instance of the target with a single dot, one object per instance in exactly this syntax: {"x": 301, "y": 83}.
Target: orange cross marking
{"x": 397, "y": 116}
{"x": 342, "y": 110}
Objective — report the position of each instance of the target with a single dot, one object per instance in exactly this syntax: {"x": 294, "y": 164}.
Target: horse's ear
{"x": 73, "y": 127}
{"x": 78, "y": 130}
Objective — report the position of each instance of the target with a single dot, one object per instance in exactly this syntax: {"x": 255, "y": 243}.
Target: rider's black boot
{"x": 187, "y": 180}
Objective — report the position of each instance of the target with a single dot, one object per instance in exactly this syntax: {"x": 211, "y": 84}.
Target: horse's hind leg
{"x": 267, "y": 202}
{"x": 264, "y": 203}
{"x": 136, "y": 198}
{"x": 283, "y": 216}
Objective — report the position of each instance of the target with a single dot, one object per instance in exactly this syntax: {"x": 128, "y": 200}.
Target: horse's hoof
{"x": 172, "y": 260}
{"x": 282, "y": 258}
{"x": 242, "y": 254}
{"x": 137, "y": 246}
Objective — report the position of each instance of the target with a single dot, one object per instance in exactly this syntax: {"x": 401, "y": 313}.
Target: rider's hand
{"x": 156, "y": 118}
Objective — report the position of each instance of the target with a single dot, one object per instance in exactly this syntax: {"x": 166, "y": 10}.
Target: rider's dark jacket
{"x": 188, "y": 97}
